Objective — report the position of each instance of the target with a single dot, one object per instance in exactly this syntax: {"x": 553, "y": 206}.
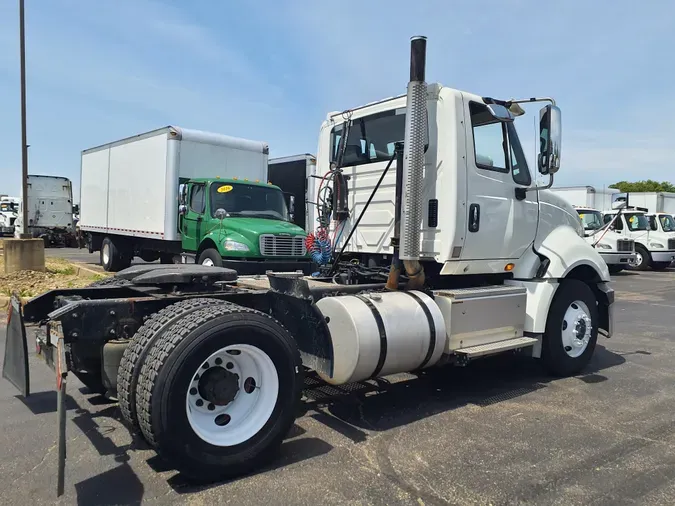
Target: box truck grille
{"x": 282, "y": 245}
{"x": 671, "y": 243}
{"x": 624, "y": 245}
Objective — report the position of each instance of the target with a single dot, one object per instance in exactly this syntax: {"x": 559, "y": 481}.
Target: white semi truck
{"x": 430, "y": 189}
{"x": 9, "y": 207}
{"x": 617, "y": 251}
{"x": 50, "y": 210}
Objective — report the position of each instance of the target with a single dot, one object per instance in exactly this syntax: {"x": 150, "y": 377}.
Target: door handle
{"x": 474, "y": 217}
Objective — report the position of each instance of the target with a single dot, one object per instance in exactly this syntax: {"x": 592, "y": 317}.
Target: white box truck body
{"x": 130, "y": 187}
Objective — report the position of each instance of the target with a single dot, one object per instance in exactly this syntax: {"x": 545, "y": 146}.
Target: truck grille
{"x": 671, "y": 243}
{"x": 282, "y": 245}
{"x": 624, "y": 245}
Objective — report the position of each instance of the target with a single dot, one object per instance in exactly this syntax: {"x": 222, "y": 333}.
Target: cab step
{"x": 499, "y": 346}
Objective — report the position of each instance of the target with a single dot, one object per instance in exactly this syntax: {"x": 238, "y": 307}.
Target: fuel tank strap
{"x": 432, "y": 329}
{"x": 383, "y": 335}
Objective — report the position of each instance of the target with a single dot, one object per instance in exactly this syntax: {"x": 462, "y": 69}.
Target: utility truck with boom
{"x": 448, "y": 253}
{"x": 176, "y": 192}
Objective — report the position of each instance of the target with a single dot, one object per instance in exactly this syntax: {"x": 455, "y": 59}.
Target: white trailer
{"x": 50, "y": 210}
{"x": 588, "y": 197}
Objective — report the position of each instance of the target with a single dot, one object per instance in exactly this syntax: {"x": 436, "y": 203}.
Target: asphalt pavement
{"x": 496, "y": 432}
{"x": 82, "y": 256}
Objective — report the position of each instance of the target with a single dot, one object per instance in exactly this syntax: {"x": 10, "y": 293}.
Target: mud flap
{"x": 15, "y": 363}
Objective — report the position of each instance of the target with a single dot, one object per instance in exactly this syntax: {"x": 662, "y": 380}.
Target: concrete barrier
{"x": 24, "y": 255}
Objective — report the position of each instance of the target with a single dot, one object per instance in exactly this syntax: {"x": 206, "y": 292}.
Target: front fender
{"x": 565, "y": 251}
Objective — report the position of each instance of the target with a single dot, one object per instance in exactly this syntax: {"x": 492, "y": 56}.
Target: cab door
{"x": 193, "y": 220}
{"x": 502, "y": 217}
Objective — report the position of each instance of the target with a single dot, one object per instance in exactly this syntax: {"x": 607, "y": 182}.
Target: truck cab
{"x": 241, "y": 224}
{"x": 653, "y": 247}
{"x": 663, "y": 223}
{"x": 8, "y": 215}
{"x": 618, "y": 252}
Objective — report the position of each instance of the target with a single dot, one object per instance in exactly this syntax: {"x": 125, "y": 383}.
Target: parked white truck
{"x": 9, "y": 207}
{"x": 653, "y": 248}
{"x": 617, "y": 251}
{"x": 50, "y": 210}
{"x": 177, "y": 192}
{"x": 477, "y": 260}
{"x": 660, "y": 208}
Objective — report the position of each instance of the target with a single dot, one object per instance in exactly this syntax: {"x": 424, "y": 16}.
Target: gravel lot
{"x": 496, "y": 432}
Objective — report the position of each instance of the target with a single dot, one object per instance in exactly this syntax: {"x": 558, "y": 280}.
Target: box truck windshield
{"x": 591, "y": 220}
{"x": 240, "y": 199}
{"x": 637, "y": 221}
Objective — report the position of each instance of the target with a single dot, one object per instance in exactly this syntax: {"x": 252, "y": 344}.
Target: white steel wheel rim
{"x": 106, "y": 253}
{"x": 576, "y": 329}
{"x": 638, "y": 258}
{"x": 253, "y": 403}
{"x": 208, "y": 262}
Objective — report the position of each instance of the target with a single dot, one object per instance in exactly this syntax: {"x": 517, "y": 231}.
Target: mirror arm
{"x": 533, "y": 99}
{"x": 537, "y": 188}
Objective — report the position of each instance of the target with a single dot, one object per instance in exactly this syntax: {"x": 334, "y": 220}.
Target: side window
{"x": 197, "y": 201}
{"x": 618, "y": 224}
{"x": 492, "y": 140}
{"x": 489, "y": 139}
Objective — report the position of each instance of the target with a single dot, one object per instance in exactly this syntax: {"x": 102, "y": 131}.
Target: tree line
{"x": 644, "y": 186}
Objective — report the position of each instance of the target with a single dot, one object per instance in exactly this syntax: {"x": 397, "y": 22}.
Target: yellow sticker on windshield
{"x": 582, "y": 216}
{"x": 225, "y": 188}
{"x": 631, "y": 219}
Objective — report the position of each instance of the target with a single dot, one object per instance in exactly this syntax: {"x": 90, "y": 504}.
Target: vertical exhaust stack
{"x": 413, "y": 163}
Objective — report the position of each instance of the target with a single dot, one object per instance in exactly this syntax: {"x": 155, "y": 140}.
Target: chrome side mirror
{"x": 220, "y": 213}
{"x": 182, "y": 209}
{"x": 550, "y": 137}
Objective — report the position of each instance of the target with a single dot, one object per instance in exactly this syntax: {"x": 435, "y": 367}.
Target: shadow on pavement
{"x": 45, "y": 402}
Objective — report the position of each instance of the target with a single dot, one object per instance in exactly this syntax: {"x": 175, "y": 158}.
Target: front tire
{"x": 571, "y": 329}
{"x": 642, "y": 258}
{"x": 210, "y": 257}
{"x": 660, "y": 266}
{"x": 615, "y": 269}
{"x": 219, "y": 391}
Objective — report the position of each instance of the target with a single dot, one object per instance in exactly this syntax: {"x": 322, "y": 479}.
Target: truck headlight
{"x": 656, "y": 245}
{"x": 235, "y": 246}
{"x": 603, "y": 246}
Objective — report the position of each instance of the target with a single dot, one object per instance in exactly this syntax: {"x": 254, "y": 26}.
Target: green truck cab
{"x": 240, "y": 224}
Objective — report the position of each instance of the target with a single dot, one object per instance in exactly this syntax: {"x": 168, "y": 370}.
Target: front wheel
{"x": 642, "y": 258}
{"x": 571, "y": 329}
{"x": 219, "y": 390}
{"x": 660, "y": 266}
{"x": 210, "y": 257}
{"x": 615, "y": 268}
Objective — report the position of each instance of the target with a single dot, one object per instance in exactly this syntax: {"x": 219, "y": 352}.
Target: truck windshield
{"x": 636, "y": 221}
{"x": 667, "y": 223}
{"x": 241, "y": 199}
{"x": 7, "y": 206}
{"x": 591, "y": 220}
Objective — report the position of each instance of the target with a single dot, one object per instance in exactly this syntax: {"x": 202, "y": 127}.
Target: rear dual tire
{"x": 217, "y": 390}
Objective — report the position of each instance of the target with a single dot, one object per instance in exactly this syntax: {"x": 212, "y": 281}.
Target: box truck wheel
{"x": 642, "y": 258}
{"x": 135, "y": 353}
{"x": 571, "y": 329}
{"x": 112, "y": 259}
{"x": 210, "y": 257}
{"x": 660, "y": 266}
{"x": 218, "y": 392}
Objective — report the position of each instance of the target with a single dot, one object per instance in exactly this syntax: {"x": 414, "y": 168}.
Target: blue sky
{"x": 100, "y": 71}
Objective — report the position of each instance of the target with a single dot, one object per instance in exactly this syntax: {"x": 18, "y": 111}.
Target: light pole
{"x": 24, "y": 144}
